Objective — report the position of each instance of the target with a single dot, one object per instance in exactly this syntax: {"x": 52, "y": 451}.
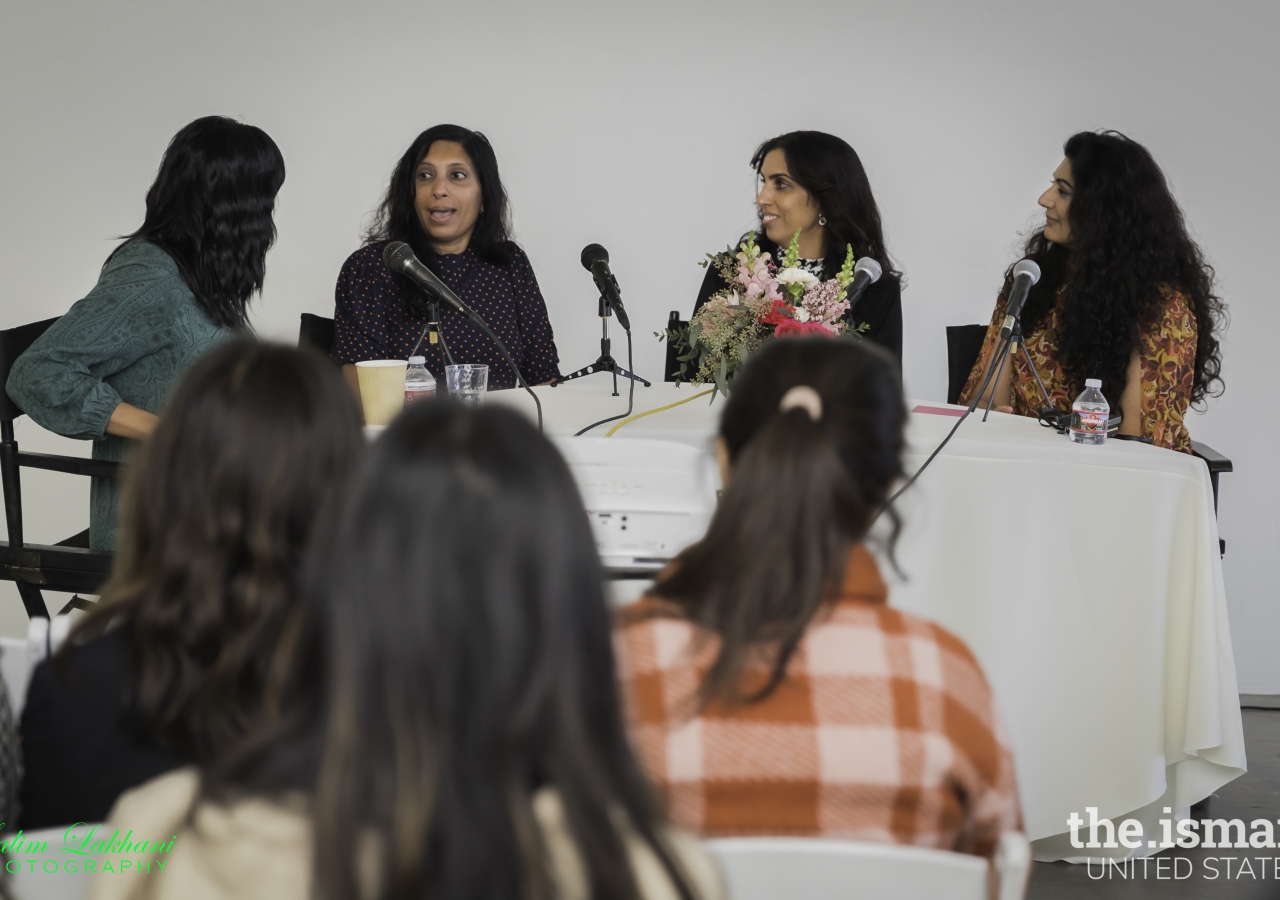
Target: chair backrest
{"x": 672, "y": 365}
{"x": 964, "y": 343}
{"x": 13, "y": 342}
{"x": 765, "y": 868}
{"x": 317, "y": 331}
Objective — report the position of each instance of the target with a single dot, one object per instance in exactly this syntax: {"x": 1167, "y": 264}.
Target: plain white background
{"x": 633, "y": 126}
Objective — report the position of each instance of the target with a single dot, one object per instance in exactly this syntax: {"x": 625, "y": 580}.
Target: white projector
{"x": 647, "y": 500}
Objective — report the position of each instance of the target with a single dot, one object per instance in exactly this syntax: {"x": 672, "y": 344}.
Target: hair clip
{"x": 805, "y": 398}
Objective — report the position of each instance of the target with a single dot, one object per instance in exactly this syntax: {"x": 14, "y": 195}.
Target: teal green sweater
{"x": 128, "y": 341}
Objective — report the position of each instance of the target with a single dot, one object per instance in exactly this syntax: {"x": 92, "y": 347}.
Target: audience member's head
{"x": 460, "y": 659}
{"x": 813, "y": 435}
{"x": 255, "y": 443}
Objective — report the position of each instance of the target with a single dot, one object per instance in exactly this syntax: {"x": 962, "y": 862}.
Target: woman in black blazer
{"x": 814, "y": 182}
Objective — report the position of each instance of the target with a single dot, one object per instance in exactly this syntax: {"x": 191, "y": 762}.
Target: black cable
{"x": 631, "y": 392}
{"x": 483, "y": 326}
{"x": 1002, "y": 348}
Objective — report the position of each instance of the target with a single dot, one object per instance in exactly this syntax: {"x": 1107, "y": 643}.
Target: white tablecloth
{"x": 1086, "y": 580}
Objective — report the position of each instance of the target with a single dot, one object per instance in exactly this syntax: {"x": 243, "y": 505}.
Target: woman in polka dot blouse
{"x": 447, "y": 202}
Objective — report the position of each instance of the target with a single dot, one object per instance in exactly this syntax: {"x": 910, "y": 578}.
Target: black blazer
{"x": 880, "y": 305}
{"x": 78, "y": 749}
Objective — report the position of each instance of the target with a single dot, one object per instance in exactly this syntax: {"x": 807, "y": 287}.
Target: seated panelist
{"x": 1125, "y": 296}
{"x": 815, "y": 182}
{"x": 446, "y": 201}
{"x": 771, "y": 688}
{"x": 175, "y": 287}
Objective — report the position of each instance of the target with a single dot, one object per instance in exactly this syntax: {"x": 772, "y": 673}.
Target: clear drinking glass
{"x": 467, "y": 383}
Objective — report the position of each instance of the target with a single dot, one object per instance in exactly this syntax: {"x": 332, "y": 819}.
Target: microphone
{"x": 865, "y": 273}
{"x": 399, "y": 257}
{"x": 1025, "y": 274}
{"x": 595, "y": 259}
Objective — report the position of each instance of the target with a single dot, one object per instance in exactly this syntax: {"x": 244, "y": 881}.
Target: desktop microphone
{"x": 1025, "y": 274}
{"x": 399, "y": 257}
{"x": 865, "y": 273}
{"x": 595, "y": 259}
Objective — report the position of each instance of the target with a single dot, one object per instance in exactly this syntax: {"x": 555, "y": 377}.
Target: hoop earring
{"x": 822, "y": 220}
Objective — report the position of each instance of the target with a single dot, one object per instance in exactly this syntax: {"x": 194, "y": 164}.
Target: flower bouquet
{"x": 761, "y": 301}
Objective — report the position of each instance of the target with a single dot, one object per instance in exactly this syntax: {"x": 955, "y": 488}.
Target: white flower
{"x": 796, "y": 276}
{"x": 734, "y": 299}
{"x": 802, "y": 314}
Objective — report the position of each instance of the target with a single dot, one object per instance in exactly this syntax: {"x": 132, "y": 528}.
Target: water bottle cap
{"x": 417, "y": 360}
{"x": 1088, "y": 382}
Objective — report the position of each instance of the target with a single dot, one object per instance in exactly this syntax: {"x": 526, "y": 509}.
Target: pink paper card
{"x": 938, "y": 411}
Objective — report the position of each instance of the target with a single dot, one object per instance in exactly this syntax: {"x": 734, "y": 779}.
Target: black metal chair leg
{"x": 33, "y": 600}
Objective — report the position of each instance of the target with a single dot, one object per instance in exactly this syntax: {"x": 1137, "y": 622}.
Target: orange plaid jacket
{"x": 884, "y": 729}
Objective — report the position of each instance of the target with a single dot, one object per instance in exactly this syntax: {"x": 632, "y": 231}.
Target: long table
{"x": 1085, "y": 579}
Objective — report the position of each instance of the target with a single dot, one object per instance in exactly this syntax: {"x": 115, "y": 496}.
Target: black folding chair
{"x": 964, "y": 343}
{"x": 69, "y": 566}
{"x": 317, "y": 331}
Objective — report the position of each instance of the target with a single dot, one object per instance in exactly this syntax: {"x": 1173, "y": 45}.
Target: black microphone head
{"x": 396, "y": 254}
{"x": 593, "y": 253}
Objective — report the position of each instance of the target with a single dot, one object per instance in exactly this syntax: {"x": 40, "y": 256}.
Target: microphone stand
{"x": 1004, "y": 349}
{"x": 1012, "y": 343}
{"x": 605, "y": 363}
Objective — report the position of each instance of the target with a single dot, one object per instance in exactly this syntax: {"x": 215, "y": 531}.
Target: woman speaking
{"x": 176, "y": 286}
{"x": 446, "y": 201}
{"x": 1125, "y": 296}
{"x": 814, "y": 183}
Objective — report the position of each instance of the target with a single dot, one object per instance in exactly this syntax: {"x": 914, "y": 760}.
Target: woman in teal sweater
{"x": 179, "y": 284}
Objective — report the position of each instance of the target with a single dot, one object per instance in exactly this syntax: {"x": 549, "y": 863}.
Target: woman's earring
{"x": 822, "y": 220}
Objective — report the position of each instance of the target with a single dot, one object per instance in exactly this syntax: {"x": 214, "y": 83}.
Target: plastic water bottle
{"x": 1089, "y": 414}
{"x": 419, "y": 384}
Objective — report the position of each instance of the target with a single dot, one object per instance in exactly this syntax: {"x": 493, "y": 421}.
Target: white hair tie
{"x": 805, "y": 398}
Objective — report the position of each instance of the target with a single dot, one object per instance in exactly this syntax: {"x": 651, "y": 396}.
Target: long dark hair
{"x": 1130, "y": 245}
{"x": 396, "y": 219}
{"x": 257, "y": 441}
{"x": 800, "y": 494}
{"x": 830, "y": 170}
{"x": 211, "y": 209}
{"x": 460, "y": 658}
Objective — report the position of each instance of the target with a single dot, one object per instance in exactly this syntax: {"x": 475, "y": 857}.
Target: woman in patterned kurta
{"x": 178, "y": 285}
{"x": 1166, "y": 353}
{"x": 1125, "y": 296}
{"x": 446, "y": 201}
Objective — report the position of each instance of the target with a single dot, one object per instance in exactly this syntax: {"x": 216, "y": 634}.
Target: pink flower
{"x": 791, "y": 326}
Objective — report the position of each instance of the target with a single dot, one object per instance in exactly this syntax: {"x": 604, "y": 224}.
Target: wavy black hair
{"x": 211, "y": 209}
{"x": 457, "y": 658}
{"x": 1129, "y": 245}
{"x": 256, "y": 444}
{"x": 830, "y": 170}
{"x": 396, "y": 219}
{"x": 801, "y": 493}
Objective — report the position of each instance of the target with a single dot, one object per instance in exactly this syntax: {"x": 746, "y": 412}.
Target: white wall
{"x": 633, "y": 126}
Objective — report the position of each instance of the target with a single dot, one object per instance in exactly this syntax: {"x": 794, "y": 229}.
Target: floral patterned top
{"x": 1167, "y": 352}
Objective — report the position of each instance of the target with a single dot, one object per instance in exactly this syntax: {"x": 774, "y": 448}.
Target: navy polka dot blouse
{"x": 373, "y": 322}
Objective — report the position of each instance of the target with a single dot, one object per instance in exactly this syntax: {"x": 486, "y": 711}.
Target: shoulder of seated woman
{"x": 141, "y": 262}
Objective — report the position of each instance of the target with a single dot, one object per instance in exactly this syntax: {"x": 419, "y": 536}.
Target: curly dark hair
{"x": 830, "y": 170}
{"x": 1129, "y": 245}
{"x": 211, "y": 209}
{"x": 257, "y": 442}
{"x": 396, "y": 219}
